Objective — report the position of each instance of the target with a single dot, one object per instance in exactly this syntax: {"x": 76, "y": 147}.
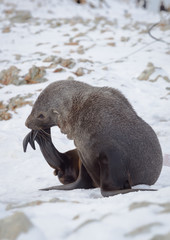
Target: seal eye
{"x": 41, "y": 116}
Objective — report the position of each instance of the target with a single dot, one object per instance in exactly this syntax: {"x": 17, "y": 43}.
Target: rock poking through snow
{"x": 21, "y": 17}
{"x": 10, "y": 76}
{"x": 12, "y": 226}
{"x": 35, "y": 75}
{"x": 68, "y": 63}
{"x": 152, "y": 74}
{"x": 12, "y": 105}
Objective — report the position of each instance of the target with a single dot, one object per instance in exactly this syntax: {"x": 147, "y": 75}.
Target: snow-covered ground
{"x": 110, "y": 46}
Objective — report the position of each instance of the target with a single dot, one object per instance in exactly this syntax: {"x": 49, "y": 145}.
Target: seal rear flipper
{"x": 114, "y": 175}
{"x": 84, "y": 181}
{"x": 122, "y": 191}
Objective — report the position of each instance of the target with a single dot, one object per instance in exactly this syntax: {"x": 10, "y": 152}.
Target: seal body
{"x": 117, "y": 149}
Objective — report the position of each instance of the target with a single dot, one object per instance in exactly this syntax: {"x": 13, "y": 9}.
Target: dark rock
{"x": 70, "y": 78}
{"x": 12, "y": 105}
{"x": 49, "y": 59}
{"x": 112, "y": 44}
{"x": 21, "y": 17}
{"x": 4, "y": 115}
{"x": 10, "y": 76}
{"x": 57, "y": 70}
{"x": 68, "y": 63}
{"x": 146, "y": 75}
{"x": 125, "y": 39}
{"x": 35, "y": 75}
{"x": 80, "y": 1}
{"x": 18, "y": 101}
{"x": 147, "y": 72}
{"x": 81, "y": 50}
{"x": 6, "y": 30}
{"x": 80, "y": 72}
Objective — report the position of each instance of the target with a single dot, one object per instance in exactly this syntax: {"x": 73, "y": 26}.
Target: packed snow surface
{"x": 109, "y": 42}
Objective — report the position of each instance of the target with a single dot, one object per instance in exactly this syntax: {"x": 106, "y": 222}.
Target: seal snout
{"x": 28, "y": 123}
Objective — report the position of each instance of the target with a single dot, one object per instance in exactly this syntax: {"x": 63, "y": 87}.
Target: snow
{"x": 83, "y": 214}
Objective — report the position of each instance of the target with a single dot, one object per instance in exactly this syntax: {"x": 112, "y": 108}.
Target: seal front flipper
{"x": 83, "y": 181}
{"x": 53, "y": 157}
{"x": 43, "y": 138}
{"x": 66, "y": 165}
{"x": 29, "y": 138}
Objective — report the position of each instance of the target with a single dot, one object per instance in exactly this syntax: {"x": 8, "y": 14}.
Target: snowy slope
{"x": 108, "y": 41}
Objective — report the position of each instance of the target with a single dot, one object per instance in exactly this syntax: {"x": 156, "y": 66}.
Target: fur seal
{"x": 117, "y": 149}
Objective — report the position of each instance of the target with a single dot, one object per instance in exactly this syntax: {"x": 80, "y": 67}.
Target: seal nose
{"x": 27, "y": 123}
